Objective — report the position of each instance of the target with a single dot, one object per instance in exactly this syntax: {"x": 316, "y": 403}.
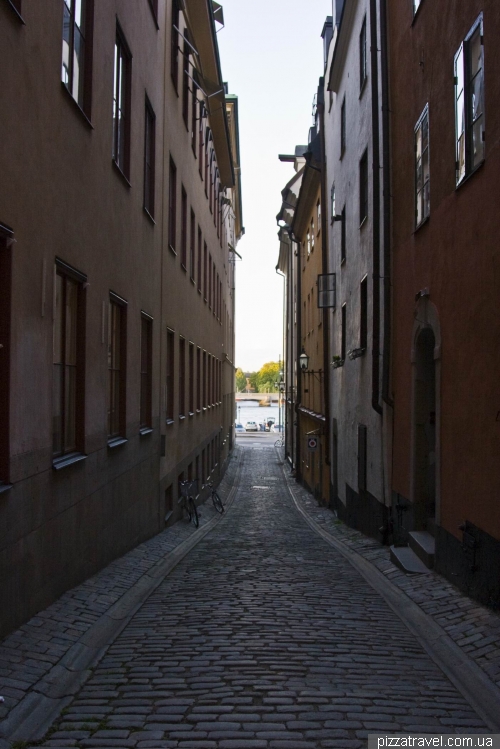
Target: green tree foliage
{"x": 253, "y": 381}
{"x": 267, "y": 375}
{"x": 241, "y": 380}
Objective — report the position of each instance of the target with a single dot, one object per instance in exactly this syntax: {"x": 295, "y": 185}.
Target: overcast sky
{"x": 272, "y": 58}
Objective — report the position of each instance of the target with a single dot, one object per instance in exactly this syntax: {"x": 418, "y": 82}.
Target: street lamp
{"x": 303, "y": 360}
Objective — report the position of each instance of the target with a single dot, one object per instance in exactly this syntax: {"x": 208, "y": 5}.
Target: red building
{"x": 445, "y": 123}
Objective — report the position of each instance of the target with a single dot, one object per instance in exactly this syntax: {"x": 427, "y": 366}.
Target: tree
{"x": 253, "y": 381}
{"x": 241, "y": 380}
{"x": 267, "y": 375}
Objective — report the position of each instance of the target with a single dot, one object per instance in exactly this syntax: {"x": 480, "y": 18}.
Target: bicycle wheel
{"x": 186, "y": 511}
{"x": 217, "y": 502}
{"x": 279, "y": 443}
{"x": 194, "y": 512}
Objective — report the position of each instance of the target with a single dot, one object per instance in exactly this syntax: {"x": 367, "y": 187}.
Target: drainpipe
{"x": 376, "y": 209}
{"x": 324, "y": 262}
{"x": 298, "y": 349}
{"x": 283, "y": 350}
{"x": 386, "y": 156}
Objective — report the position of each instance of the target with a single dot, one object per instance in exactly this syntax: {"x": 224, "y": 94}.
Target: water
{"x": 251, "y": 411}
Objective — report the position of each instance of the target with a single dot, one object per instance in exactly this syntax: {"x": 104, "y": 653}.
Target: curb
{"x": 470, "y": 680}
{"x": 33, "y": 716}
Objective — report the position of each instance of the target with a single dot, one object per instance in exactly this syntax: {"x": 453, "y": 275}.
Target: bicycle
{"x": 216, "y": 499}
{"x": 280, "y": 442}
{"x": 189, "y": 511}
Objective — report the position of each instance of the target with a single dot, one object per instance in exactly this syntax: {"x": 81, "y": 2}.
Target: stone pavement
{"x": 263, "y": 636}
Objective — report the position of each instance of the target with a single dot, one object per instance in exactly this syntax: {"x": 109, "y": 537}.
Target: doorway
{"x": 424, "y": 420}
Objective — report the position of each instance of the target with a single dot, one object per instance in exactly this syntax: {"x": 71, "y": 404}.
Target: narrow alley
{"x": 263, "y": 636}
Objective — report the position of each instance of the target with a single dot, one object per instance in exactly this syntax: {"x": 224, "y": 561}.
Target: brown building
{"x": 120, "y": 209}
{"x": 445, "y": 87}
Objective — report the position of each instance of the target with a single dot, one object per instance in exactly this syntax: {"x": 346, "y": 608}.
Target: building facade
{"x": 445, "y": 125}
{"x": 119, "y": 203}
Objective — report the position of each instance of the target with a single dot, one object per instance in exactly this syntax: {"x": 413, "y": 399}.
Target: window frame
{"x": 184, "y": 211}
{"x": 343, "y": 332}
{"x": 186, "y": 54}
{"x": 191, "y": 379}
{"x": 363, "y": 188}
{"x": 342, "y": 128}
{"x": 343, "y": 236}
{"x": 172, "y": 205}
{"x": 153, "y": 5}
{"x": 464, "y": 52}
{"x": 119, "y": 436}
{"x": 70, "y": 274}
{"x": 174, "y": 46}
{"x": 192, "y": 246}
{"x": 419, "y": 160}
{"x": 363, "y": 313}
{"x": 149, "y": 159}
{"x": 6, "y": 242}
{"x": 85, "y": 102}
{"x": 169, "y": 377}
{"x": 181, "y": 390}
{"x": 146, "y": 392}
{"x": 363, "y": 57}
{"x": 121, "y": 159}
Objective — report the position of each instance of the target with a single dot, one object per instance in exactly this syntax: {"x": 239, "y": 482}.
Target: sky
{"x": 272, "y": 58}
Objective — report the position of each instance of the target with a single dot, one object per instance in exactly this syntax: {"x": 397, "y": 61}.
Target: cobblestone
{"x": 263, "y": 637}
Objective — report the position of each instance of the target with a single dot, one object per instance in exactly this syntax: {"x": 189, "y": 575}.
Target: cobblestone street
{"x": 264, "y": 636}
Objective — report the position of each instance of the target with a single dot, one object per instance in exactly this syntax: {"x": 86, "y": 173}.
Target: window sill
{"x": 19, "y": 16}
{"x": 169, "y": 421}
{"x": 471, "y": 174}
{"x": 117, "y": 442}
{"x": 415, "y": 14}
{"x": 76, "y": 105}
{"x": 191, "y": 413}
{"x": 363, "y": 222}
{"x": 149, "y": 215}
{"x": 184, "y": 268}
{"x": 145, "y": 431}
{"x": 198, "y": 410}
{"x": 342, "y": 262}
{"x": 5, "y": 487}
{"x": 122, "y": 174}
{"x": 193, "y": 281}
{"x": 204, "y": 408}
{"x": 181, "y": 417}
{"x": 68, "y": 460}
{"x": 421, "y": 224}
{"x": 172, "y": 249}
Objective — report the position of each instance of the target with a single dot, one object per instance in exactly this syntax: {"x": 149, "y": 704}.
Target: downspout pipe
{"x": 283, "y": 350}
{"x": 324, "y": 269}
{"x": 375, "y": 208}
{"x": 386, "y": 160}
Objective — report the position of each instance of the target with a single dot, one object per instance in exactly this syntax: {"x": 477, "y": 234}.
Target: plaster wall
{"x": 351, "y": 384}
{"x": 454, "y": 254}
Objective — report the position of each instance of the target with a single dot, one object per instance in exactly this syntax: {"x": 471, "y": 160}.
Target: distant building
{"x": 119, "y": 217}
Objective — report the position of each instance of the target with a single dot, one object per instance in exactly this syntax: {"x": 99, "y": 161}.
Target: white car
{"x": 239, "y": 428}
{"x": 251, "y": 426}
{"x": 277, "y": 428}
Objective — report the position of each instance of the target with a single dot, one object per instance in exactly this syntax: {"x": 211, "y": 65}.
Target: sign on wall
{"x": 312, "y": 443}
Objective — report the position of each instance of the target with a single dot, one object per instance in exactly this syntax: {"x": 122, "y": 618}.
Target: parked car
{"x": 251, "y": 426}
{"x": 277, "y": 428}
{"x": 239, "y": 428}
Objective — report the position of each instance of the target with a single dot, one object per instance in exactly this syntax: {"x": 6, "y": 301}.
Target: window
{"x": 117, "y": 357}
{"x": 199, "y": 259}
{"x": 146, "y": 371}
{"x": 362, "y": 457}
{"x": 209, "y": 380}
{"x": 205, "y": 270}
{"x": 121, "y": 103}
{"x": 172, "y": 205}
{"x": 312, "y": 234}
{"x": 343, "y": 241}
{"x": 149, "y": 160}
{"x": 191, "y": 380}
{"x": 362, "y": 55}
{"x": 363, "y": 188}
{"x": 318, "y": 215}
{"x": 185, "y": 82}
{"x": 184, "y": 209}
{"x": 469, "y": 102}
{"x": 332, "y": 203}
{"x": 209, "y": 280}
{"x": 174, "y": 45}
{"x": 198, "y": 378}
{"x": 153, "y": 4}
{"x": 343, "y": 340}
{"x": 182, "y": 378}
{"x": 68, "y": 361}
{"x": 204, "y": 388}
{"x": 201, "y": 143}
{"x": 422, "y": 177}
{"x": 194, "y": 102}
{"x": 342, "y": 128}
{"x": 363, "y": 319}
{"x": 192, "y": 245}
{"x": 76, "y": 50}
{"x": 6, "y": 242}
{"x": 308, "y": 238}
{"x": 169, "y": 395}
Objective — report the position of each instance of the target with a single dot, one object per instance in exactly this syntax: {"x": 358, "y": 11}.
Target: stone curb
{"x": 33, "y": 716}
{"x": 479, "y": 691}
